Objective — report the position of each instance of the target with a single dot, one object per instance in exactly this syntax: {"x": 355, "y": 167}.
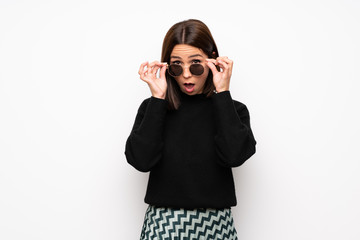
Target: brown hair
{"x": 194, "y": 33}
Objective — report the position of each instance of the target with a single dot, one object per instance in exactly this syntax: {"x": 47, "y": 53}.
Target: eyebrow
{"x": 195, "y": 55}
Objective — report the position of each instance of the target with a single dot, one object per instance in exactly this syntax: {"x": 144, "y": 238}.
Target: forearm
{"x": 144, "y": 145}
{"x": 234, "y": 139}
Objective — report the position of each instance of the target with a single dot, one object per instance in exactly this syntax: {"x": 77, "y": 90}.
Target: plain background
{"x": 69, "y": 93}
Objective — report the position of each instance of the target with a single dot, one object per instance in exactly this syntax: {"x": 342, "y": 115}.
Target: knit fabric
{"x": 190, "y": 152}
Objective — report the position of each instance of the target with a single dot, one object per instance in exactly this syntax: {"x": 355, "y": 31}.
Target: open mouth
{"x": 189, "y": 87}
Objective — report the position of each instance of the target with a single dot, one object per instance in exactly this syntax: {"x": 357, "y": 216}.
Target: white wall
{"x": 69, "y": 93}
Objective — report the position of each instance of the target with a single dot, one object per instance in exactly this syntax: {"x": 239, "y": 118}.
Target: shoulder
{"x": 238, "y": 104}
{"x": 144, "y": 104}
{"x": 241, "y": 108}
{"x": 226, "y": 98}
{"x": 156, "y": 104}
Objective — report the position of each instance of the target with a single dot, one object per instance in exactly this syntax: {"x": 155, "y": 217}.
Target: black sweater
{"x": 190, "y": 151}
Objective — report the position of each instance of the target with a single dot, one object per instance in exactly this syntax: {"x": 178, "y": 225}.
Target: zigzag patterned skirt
{"x": 180, "y": 224}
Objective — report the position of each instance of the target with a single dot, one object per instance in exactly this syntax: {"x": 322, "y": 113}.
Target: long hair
{"x": 194, "y": 33}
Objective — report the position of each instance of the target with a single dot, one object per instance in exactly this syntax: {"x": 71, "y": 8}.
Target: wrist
{"x": 160, "y": 97}
{"x": 221, "y": 90}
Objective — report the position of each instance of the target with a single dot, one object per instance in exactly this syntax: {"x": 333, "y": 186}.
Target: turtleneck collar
{"x": 186, "y": 97}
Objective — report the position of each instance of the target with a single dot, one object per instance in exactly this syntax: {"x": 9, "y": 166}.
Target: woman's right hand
{"x": 158, "y": 86}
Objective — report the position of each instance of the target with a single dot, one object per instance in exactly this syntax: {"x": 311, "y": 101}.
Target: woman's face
{"x": 185, "y": 55}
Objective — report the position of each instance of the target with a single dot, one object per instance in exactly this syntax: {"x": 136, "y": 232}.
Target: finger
{"x": 151, "y": 67}
{"x": 214, "y": 62}
{"x": 145, "y": 72}
{"x": 156, "y": 67}
{"x": 229, "y": 62}
{"x": 223, "y": 58}
{"x": 223, "y": 64}
{"x": 217, "y": 61}
{"x": 152, "y": 64}
{"x": 163, "y": 71}
{"x": 141, "y": 69}
{"x": 212, "y": 67}
{"x": 143, "y": 76}
{"x": 219, "y": 58}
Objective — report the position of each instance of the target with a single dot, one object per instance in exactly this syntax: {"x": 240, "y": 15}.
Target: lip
{"x": 188, "y": 88}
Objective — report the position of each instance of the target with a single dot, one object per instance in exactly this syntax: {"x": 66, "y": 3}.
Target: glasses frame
{"x": 182, "y": 69}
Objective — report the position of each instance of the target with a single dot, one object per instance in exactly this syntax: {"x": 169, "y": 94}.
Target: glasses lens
{"x": 197, "y": 69}
{"x": 175, "y": 70}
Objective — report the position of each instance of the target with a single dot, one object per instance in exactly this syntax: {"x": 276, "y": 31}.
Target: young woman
{"x": 189, "y": 134}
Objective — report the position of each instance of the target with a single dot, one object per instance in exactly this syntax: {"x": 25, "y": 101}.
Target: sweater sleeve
{"x": 144, "y": 145}
{"x": 234, "y": 140}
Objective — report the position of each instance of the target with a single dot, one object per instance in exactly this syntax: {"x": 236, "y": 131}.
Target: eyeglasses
{"x": 176, "y": 70}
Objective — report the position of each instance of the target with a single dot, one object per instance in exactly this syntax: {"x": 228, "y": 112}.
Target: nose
{"x": 186, "y": 72}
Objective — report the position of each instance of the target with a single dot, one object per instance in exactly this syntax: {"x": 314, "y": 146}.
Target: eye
{"x": 176, "y": 62}
{"x": 195, "y": 61}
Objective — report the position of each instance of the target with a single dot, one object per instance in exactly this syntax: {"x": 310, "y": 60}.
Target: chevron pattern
{"x": 182, "y": 224}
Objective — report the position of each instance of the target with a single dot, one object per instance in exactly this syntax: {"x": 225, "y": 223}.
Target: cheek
{"x": 205, "y": 75}
{"x": 178, "y": 81}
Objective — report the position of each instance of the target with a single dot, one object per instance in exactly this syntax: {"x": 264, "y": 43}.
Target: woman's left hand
{"x": 221, "y": 79}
